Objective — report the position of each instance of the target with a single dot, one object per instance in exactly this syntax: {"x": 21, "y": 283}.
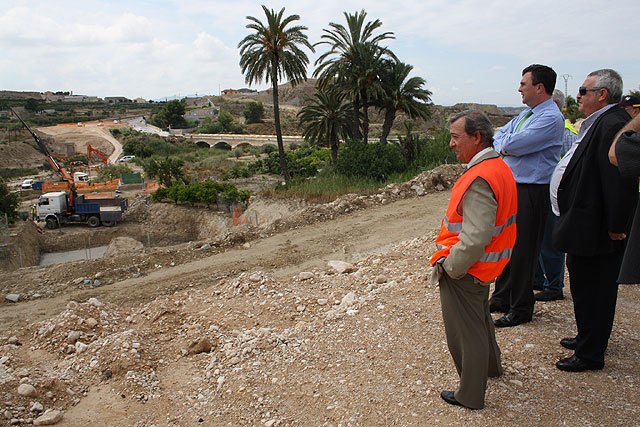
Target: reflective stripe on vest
{"x": 498, "y": 252}
{"x": 456, "y": 227}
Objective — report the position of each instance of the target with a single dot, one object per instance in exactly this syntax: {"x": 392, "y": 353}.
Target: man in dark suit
{"x": 595, "y": 204}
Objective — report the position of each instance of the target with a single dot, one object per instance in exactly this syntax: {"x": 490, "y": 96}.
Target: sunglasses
{"x": 583, "y": 90}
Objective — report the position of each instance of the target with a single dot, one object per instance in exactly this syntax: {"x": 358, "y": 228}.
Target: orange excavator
{"x": 94, "y": 151}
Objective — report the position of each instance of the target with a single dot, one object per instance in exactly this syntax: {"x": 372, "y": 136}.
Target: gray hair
{"x": 558, "y": 98}
{"x": 610, "y": 80}
{"x": 476, "y": 121}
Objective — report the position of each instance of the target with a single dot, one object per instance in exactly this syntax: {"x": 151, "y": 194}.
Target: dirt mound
{"x": 20, "y": 155}
{"x": 123, "y": 246}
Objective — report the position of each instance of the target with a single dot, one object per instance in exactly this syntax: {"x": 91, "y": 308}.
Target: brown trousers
{"x": 470, "y": 336}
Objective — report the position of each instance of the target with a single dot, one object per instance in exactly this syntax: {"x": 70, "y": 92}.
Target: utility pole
{"x": 566, "y": 78}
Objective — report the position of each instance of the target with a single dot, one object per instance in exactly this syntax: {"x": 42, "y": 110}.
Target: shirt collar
{"x": 479, "y": 154}
{"x": 591, "y": 119}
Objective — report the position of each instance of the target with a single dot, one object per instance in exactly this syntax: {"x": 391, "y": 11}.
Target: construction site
{"x": 292, "y": 313}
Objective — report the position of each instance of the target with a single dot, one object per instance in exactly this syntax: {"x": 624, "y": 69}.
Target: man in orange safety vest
{"x": 475, "y": 243}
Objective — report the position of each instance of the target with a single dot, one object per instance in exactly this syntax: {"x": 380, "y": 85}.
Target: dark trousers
{"x": 514, "y": 287}
{"x": 594, "y": 291}
{"x": 550, "y": 270}
{"x": 471, "y": 337}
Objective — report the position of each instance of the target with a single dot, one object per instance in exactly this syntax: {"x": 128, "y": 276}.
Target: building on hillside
{"x": 81, "y": 98}
{"x": 140, "y": 101}
{"x": 116, "y": 99}
{"x": 243, "y": 91}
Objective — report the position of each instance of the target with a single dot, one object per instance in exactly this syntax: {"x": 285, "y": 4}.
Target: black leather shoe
{"x": 549, "y": 296}
{"x": 510, "y": 319}
{"x": 569, "y": 343}
{"x": 495, "y": 307}
{"x": 450, "y": 398}
{"x": 575, "y": 364}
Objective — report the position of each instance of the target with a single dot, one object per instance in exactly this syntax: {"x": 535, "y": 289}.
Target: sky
{"x": 466, "y": 50}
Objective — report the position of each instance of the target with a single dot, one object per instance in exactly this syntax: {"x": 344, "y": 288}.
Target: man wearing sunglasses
{"x": 530, "y": 144}
{"x": 595, "y": 204}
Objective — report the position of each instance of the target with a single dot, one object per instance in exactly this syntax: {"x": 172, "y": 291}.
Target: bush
{"x": 377, "y": 161}
{"x": 207, "y": 192}
{"x": 253, "y": 112}
{"x": 432, "y": 150}
{"x": 8, "y": 203}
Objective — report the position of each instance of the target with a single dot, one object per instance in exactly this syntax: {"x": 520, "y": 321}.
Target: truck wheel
{"x": 108, "y": 223}
{"x": 93, "y": 221}
{"x": 51, "y": 223}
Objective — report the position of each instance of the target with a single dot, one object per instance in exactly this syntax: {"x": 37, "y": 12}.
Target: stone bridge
{"x": 220, "y": 140}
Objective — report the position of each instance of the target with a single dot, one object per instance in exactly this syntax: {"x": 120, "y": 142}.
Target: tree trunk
{"x": 276, "y": 119}
{"x": 334, "y": 151}
{"x": 389, "y": 117}
{"x": 355, "y": 125}
{"x": 365, "y": 119}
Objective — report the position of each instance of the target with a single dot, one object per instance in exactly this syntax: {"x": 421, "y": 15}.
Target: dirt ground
{"x": 191, "y": 320}
{"x": 215, "y": 324}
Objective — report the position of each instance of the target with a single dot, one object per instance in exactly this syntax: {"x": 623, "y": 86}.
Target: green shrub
{"x": 432, "y": 150}
{"x": 377, "y": 161}
{"x": 8, "y": 203}
{"x": 207, "y": 192}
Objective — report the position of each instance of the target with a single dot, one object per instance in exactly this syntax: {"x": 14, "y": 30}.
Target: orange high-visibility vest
{"x": 498, "y": 252}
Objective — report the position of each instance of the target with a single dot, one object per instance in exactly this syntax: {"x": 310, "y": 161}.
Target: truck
{"x": 62, "y": 207}
{"x": 53, "y": 208}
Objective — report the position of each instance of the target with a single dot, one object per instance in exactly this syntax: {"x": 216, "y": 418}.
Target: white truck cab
{"x": 51, "y": 204}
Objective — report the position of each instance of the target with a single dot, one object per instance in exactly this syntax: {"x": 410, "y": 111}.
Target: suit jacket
{"x": 628, "y": 154}
{"x": 593, "y": 197}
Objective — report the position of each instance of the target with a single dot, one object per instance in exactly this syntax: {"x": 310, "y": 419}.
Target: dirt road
{"x": 349, "y": 238}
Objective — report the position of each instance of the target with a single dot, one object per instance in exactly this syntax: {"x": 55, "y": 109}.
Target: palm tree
{"x": 327, "y": 119}
{"x": 271, "y": 52}
{"x": 402, "y": 94}
{"x": 353, "y": 63}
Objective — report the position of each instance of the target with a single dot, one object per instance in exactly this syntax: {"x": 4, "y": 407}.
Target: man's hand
{"x": 617, "y": 236}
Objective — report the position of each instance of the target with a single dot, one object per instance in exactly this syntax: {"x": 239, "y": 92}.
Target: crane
{"x": 52, "y": 162}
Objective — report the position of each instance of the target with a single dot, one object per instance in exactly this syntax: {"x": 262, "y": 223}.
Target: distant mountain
{"x": 511, "y": 111}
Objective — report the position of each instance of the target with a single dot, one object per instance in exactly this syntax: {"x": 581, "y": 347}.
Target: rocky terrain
{"x": 310, "y": 315}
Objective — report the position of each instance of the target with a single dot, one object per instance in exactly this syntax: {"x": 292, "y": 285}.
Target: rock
{"x": 381, "y": 279}
{"x": 48, "y": 418}
{"x": 203, "y": 345}
{"x": 37, "y": 407}
{"x": 341, "y": 267}
{"x": 12, "y": 297}
{"x": 306, "y": 275}
{"x": 300, "y": 308}
{"x": 95, "y": 302}
{"x": 418, "y": 189}
{"x": 91, "y": 322}
{"x": 322, "y": 301}
{"x": 13, "y": 340}
{"x": 440, "y": 187}
{"x": 80, "y": 347}
{"x": 348, "y": 300}
{"x": 255, "y": 277}
{"x": 73, "y": 336}
{"x": 26, "y": 390}
{"x": 205, "y": 247}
